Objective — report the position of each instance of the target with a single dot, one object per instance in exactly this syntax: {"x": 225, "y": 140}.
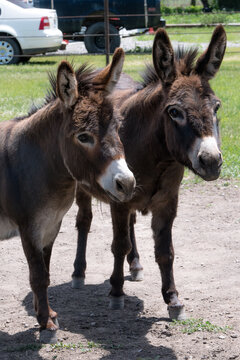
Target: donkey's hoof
{"x": 137, "y": 275}
{"x": 78, "y": 283}
{"x": 177, "y": 312}
{"x": 116, "y": 302}
{"x": 56, "y": 323}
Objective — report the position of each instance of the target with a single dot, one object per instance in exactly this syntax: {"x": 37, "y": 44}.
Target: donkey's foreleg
{"x": 121, "y": 246}
{"x": 39, "y": 281}
{"x": 47, "y": 251}
{"x": 39, "y": 276}
{"x": 162, "y": 221}
{"x": 135, "y": 267}
{"x": 83, "y": 224}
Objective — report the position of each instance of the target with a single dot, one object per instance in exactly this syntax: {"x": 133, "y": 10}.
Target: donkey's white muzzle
{"x": 206, "y": 158}
{"x": 118, "y": 181}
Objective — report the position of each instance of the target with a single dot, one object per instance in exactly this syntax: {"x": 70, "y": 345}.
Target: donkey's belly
{"x": 8, "y": 228}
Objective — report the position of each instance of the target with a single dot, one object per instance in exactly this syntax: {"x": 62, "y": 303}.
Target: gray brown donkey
{"x": 73, "y": 137}
{"x": 170, "y": 121}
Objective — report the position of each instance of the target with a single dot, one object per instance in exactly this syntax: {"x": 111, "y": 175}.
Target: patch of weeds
{"x": 84, "y": 348}
{"x": 25, "y": 347}
{"x": 226, "y": 184}
{"x": 92, "y": 344}
{"x": 192, "y": 325}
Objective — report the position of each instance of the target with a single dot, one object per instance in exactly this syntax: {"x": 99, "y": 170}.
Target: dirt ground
{"x": 206, "y": 235}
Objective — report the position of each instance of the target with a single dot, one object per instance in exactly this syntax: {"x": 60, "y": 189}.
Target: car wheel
{"x": 9, "y": 51}
{"x": 95, "y": 43}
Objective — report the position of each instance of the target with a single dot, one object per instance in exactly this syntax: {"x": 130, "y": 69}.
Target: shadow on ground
{"x": 84, "y": 316}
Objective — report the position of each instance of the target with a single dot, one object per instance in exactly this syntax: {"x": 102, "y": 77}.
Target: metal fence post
{"x": 106, "y": 25}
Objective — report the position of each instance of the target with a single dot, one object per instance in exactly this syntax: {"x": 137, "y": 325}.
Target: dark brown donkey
{"x": 72, "y": 137}
{"x": 169, "y": 123}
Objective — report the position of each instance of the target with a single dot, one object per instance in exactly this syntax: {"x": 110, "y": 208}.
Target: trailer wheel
{"x": 94, "y": 39}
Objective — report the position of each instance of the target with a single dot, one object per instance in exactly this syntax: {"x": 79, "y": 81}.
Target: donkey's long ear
{"x": 209, "y": 62}
{"x": 67, "y": 89}
{"x": 108, "y": 77}
{"x": 163, "y": 57}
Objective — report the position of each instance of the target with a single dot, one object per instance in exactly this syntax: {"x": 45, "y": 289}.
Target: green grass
{"x": 175, "y": 3}
{"x": 20, "y": 85}
{"x": 199, "y": 35}
{"x": 84, "y": 348}
{"x": 71, "y": 346}
{"x": 225, "y": 86}
{"x": 192, "y": 325}
{"x": 23, "y": 85}
{"x": 207, "y": 18}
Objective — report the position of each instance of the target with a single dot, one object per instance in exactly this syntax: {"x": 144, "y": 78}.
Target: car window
{"x": 20, "y": 3}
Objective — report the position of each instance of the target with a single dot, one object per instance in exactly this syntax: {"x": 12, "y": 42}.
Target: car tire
{"x": 95, "y": 43}
{"x": 9, "y": 51}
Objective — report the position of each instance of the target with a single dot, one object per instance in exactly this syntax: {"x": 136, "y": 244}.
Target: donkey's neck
{"x": 42, "y": 129}
{"x": 143, "y": 119}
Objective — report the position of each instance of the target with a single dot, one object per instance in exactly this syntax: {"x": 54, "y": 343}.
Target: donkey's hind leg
{"x": 162, "y": 221}
{"x": 135, "y": 267}
{"x": 121, "y": 246}
{"x": 83, "y": 223}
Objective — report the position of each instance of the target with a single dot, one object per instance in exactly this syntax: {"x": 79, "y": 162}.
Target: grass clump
{"x": 192, "y": 325}
{"x": 84, "y": 348}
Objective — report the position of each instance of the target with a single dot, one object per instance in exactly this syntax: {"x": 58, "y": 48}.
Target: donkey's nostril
{"x": 201, "y": 161}
{"x": 207, "y": 162}
{"x": 119, "y": 186}
{"x": 220, "y": 160}
{"x": 124, "y": 186}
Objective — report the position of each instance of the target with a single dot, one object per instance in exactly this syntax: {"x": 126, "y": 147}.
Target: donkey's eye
{"x": 217, "y": 106}
{"x": 175, "y": 113}
{"x": 85, "y": 138}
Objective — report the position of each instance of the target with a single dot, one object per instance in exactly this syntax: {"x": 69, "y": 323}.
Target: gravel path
{"x": 131, "y": 44}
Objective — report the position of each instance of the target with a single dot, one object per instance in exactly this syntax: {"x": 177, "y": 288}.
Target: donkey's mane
{"x": 184, "y": 59}
{"x": 84, "y": 75}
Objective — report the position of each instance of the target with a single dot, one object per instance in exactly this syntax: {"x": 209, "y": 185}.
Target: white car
{"x": 26, "y": 31}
